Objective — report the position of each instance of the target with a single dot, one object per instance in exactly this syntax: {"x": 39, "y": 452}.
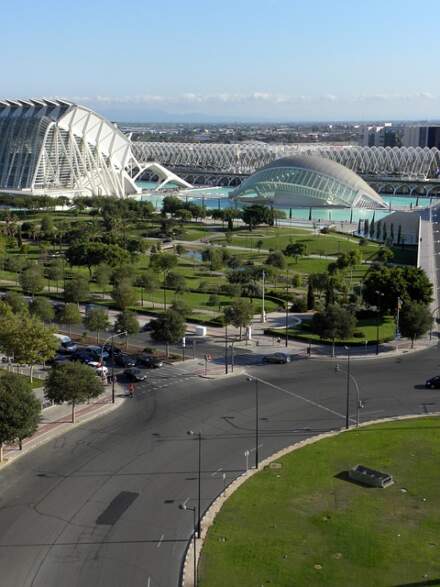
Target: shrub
{"x": 299, "y": 305}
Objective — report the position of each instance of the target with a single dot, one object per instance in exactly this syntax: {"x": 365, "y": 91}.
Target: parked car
{"x": 97, "y": 351}
{"x": 279, "y": 358}
{"x": 68, "y": 347}
{"x": 124, "y": 360}
{"x": 134, "y": 374}
{"x": 148, "y": 361}
{"x": 147, "y": 327}
{"x": 83, "y": 356}
{"x": 58, "y": 360}
{"x": 433, "y": 383}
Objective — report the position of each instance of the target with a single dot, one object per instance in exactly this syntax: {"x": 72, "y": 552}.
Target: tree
{"x": 163, "y": 261}
{"x": 240, "y": 313}
{"x": 15, "y": 264}
{"x": 76, "y": 289}
{"x": 214, "y": 257}
{"x": 148, "y": 282}
{"x": 180, "y": 249}
{"x": 256, "y": 214}
{"x": 181, "y": 307}
{"x": 19, "y": 409}
{"x": 28, "y": 341}
{"x": 259, "y": 244}
{"x": 96, "y": 320}
{"x": 55, "y": 271}
{"x": 72, "y": 383}
{"x": 127, "y": 322}
{"x": 310, "y": 297}
{"x": 70, "y": 315}
{"x": 415, "y": 320}
{"x": 103, "y": 273}
{"x": 334, "y": 323}
{"x": 32, "y": 280}
{"x": 171, "y": 204}
{"x": 372, "y": 229}
{"x": 42, "y": 309}
{"x": 168, "y": 328}
{"x": 295, "y": 250}
{"x": 16, "y": 302}
{"x": 276, "y": 259}
{"x": 175, "y": 281}
{"x": 384, "y": 254}
{"x": 124, "y": 295}
{"x": 399, "y": 234}
{"x": 47, "y": 227}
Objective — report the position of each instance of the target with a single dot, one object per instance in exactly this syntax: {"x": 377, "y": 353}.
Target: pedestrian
{"x": 130, "y": 389}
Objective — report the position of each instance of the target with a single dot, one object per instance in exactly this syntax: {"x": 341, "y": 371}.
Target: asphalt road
{"x": 99, "y": 506}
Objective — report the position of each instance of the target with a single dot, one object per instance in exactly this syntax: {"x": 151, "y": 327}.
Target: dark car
{"x": 134, "y": 374}
{"x": 433, "y": 383}
{"x": 68, "y": 347}
{"x": 116, "y": 351}
{"x": 148, "y": 362}
{"x": 58, "y": 360}
{"x": 147, "y": 327}
{"x": 279, "y": 358}
{"x": 124, "y": 360}
{"x": 97, "y": 351}
{"x": 84, "y": 356}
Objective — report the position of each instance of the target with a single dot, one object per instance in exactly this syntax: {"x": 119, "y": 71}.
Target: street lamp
{"x": 359, "y": 403}
{"x": 263, "y": 312}
{"x": 250, "y": 379}
{"x": 185, "y": 508}
{"x": 378, "y": 293}
{"x": 113, "y": 359}
{"x": 199, "y": 438}
{"x": 347, "y": 407}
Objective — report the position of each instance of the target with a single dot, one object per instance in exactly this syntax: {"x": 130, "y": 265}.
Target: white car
{"x": 100, "y": 370}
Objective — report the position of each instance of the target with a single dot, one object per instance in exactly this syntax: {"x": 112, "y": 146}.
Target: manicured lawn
{"x": 367, "y": 329}
{"x": 303, "y": 525}
{"x": 35, "y": 383}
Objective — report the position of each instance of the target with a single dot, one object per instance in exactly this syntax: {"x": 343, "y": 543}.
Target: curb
{"x": 101, "y": 409}
{"x": 187, "y": 572}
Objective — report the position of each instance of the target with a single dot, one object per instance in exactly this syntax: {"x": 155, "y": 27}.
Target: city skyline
{"x": 242, "y": 61}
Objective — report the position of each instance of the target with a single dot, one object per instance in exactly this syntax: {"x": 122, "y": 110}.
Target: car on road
{"x": 134, "y": 374}
{"x": 84, "y": 356}
{"x": 433, "y": 383}
{"x": 148, "y": 362}
{"x": 124, "y": 360}
{"x": 278, "y": 358}
{"x": 147, "y": 327}
{"x": 58, "y": 360}
{"x": 97, "y": 351}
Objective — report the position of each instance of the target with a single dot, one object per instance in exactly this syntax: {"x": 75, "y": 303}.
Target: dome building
{"x": 308, "y": 181}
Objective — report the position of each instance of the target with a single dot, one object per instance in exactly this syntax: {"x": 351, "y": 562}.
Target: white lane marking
{"x": 215, "y": 473}
{"x": 160, "y": 541}
{"x": 149, "y": 582}
{"x": 298, "y": 396}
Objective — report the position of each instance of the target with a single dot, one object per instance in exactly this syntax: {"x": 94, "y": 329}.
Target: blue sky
{"x": 241, "y": 59}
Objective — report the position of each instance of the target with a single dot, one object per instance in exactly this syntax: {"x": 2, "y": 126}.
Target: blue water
{"x": 217, "y": 197}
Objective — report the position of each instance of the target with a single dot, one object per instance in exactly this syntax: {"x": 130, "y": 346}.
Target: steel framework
{"x": 409, "y": 162}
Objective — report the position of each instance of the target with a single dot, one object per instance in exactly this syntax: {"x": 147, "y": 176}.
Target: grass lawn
{"x": 367, "y": 328}
{"x": 35, "y": 383}
{"x": 301, "y": 525}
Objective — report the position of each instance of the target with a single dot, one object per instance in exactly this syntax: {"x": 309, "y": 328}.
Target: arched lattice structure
{"x": 56, "y": 147}
{"x": 308, "y": 181}
{"x": 246, "y": 158}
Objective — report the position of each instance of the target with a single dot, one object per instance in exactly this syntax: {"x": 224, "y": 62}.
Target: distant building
{"x": 381, "y": 136}
{"x": 422, "y": 136}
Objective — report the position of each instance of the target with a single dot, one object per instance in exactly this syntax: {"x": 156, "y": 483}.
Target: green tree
{"x": 181, "y": 307}
{"x": 256, "y": 214}
{"x": 47, "y": 227}
{"x": 103, "y": 273}
{"x": 76, "y": 289}
{"x": 19, "y": 409}
{"x": 69, "y": 315}
{"x": 168, "y": 328}
{"x": 73, "y": 383}
{"x": 415, "y": 320}
{"x": 384, "y": 254}
{"x": 42, "y": 309}
{"x": 148, "y": 282}
{"x": 124, "y": 295}
{"x": 96, "y": 320}
{"x": 28, "y": 341}
{"x": 240, "y": 313}
{"x": 32, "y": 280}
{"x": 127, "y": 322}
{"x": 16, "y": 302}
{"x": 55, "y": 272}
{"x": 276, "y": 259}
{"x": 175, "y": 281}
{"x": 372, "y": 229}
{"x": 180, "y": 249}
{"x": 310, "y": 297}
{"x": 15, "y": 264}
{"x": 295, "y": 250}
{"x": 334, "y": 323}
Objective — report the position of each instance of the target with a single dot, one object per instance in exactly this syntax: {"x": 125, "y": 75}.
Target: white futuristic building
{"x": 56, "y": 147}
{"x": 308, "y": 181}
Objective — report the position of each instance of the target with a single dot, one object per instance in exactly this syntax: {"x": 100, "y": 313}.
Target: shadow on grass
{"x": 420, "y": 583}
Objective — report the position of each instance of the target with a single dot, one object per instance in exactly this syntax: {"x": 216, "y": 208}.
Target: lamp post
{"x": 257, "y": 432}
{"x": 112, "y": 358}
{"x": 263, "y": 312}
{"x": 378, "y": 293}
{"x": 359, "y": 403}
{"x": 199, "y": 471}
{"x": 287, "y": 323}
{"x": 232, "y": 356}
{"x": 347, "y": 406}
{"x": 185, "y": 508}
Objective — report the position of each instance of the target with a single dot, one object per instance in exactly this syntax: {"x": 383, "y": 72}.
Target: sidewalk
{"x": 56, "y": 420}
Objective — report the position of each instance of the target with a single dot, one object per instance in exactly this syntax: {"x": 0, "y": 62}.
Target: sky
{"x": 237, "y": 60}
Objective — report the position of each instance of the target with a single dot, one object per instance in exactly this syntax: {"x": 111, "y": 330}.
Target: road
{"x": 98, "y": 506}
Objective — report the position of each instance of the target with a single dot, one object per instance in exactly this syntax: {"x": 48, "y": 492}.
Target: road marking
{"x": 215, "y": 473}
{"x": 160, "y": 541}
{"x": 298, "y": 396}
{"x": 149, "y": 582}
